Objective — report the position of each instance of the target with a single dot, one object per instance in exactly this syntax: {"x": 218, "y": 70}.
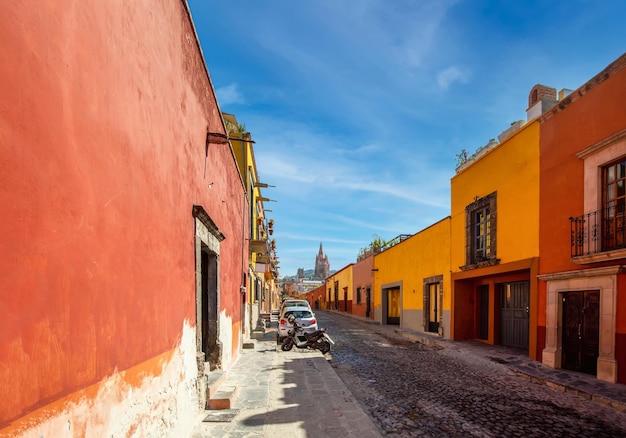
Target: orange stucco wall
{"x": 596, "y": 115}
{"x": 590, "y": 115}
{"x": 511, "y": 170}
{"x": 105, "y": 111}
{"x": 317, "y": 298}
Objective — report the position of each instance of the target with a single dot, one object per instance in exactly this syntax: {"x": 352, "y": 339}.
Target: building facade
{"x": 412, "y": 281}
{"x": 363, "y": 288}
{"x": 261, "y": 282}
{"x": 317, "y": 297}
{"x": 582, "y": 318}
{"x": 123, "y": 222}
{"x": 495, "y": 238}
{"x": 339, "y": 290}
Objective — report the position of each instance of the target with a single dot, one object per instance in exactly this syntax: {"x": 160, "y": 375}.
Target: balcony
{"x": 598, "y": 236}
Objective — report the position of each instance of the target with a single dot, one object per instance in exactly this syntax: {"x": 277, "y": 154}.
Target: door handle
{"x": 579, "y": 330}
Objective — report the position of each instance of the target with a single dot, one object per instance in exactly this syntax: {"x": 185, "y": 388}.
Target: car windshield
{"x": 299, "y": 314}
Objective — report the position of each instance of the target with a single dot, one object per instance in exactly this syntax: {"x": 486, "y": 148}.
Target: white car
{"x": 304, "y": 317}
{"x": 292, "y": 302}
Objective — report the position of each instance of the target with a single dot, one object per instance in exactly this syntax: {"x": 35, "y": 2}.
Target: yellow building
{"x": 339, "y": 290}
{"x": 495, "y": 243}
{"x": 412, "y": 281}
{"x": 262, "y": 293}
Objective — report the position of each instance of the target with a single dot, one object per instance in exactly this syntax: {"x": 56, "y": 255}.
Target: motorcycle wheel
{"x": 324, "y": 346}
{"x": 287, "y": 344}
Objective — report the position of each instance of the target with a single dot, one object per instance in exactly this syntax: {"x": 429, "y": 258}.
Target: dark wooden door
{"x": 581, "y": 331}
{"x": 431, "y": 311}
{"x": 514, "y": 313}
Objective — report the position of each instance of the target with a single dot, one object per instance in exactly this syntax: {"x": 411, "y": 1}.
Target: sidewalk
{"x": 293, "y": 394}
{"x": 298, "y": 394}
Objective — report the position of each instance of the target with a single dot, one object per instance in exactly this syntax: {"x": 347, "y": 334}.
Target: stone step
{"x": 224, "y": 397}
{"x": 214, "y": 380}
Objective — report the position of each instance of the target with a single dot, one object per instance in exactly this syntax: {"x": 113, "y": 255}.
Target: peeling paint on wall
{"x": 155, "y": 398}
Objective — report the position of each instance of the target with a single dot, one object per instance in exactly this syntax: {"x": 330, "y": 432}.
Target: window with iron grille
{"x": 480, "y": 232}
{"x": 613, "y": 202}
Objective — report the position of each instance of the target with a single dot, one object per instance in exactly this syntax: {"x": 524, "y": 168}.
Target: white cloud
{"x": 450, "y": 75}
{"x": 229, "y": 95}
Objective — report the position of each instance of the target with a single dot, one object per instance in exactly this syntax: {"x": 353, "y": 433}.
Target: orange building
{"x": 122, "y": 251}
{"x": 362, "y": 287}
{"x": 582, "y": 318}
{"x": 494, "y": 237}
{"x": 317, "y": 298}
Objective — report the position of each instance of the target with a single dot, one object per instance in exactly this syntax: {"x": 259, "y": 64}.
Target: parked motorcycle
{"x": 317, "y": 340}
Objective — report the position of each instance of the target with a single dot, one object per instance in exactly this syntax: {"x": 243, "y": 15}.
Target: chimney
{"x": 540, "y": 100}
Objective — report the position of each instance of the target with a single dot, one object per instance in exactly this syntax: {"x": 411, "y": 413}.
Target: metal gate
{"x": 514, "y": 311}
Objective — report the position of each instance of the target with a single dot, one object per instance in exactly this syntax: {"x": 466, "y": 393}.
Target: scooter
{"x": 317, "y": 340}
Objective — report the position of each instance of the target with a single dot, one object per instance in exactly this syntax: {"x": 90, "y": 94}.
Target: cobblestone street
{"x": 412, "y": 389}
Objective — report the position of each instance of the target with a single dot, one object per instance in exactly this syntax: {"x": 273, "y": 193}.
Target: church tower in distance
{"x": 322, "y": 267}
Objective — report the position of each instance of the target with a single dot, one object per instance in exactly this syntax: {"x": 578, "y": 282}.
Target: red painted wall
{"x": 620, "y": 328}
{"x": 463, "y": 311}
{"x": 317, "y": 298}
{"x": 596, "y": 113}
{"x": 103, "y": 123}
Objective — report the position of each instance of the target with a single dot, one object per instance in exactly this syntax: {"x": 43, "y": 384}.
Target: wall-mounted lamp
{"x": 263, "y": 185}
{"x": 220, "y": 138}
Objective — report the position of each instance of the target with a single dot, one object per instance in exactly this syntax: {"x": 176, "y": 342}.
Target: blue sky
{"x": 358, "y": 108}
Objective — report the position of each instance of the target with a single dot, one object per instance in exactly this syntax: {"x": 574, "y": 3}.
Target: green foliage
{"x": 462, "y": 157}
{"x": 378, "y": 244}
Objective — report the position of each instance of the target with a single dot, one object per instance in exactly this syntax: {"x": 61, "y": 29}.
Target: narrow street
{"x": 411, "y": 389}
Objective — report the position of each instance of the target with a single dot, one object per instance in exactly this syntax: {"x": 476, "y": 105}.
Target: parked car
{"x": 292, "y": 302}
{"x": 304, "y": 316}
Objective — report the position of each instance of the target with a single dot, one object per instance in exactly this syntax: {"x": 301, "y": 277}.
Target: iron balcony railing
{"x": 599, "y": 231}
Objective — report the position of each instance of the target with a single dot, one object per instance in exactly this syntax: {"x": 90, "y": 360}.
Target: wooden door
{"x": 514, "y": 314}
{"x": 581, "y": 331}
